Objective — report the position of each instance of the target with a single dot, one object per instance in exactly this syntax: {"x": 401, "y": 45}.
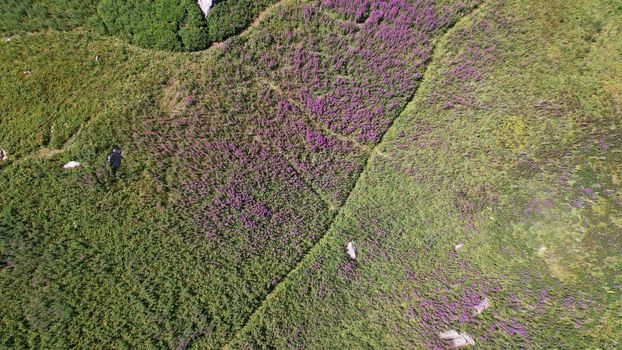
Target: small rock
{"x": 71, "y": 165}
{"x": 351, "y": 250}
{"x": 458, "y": 247}
{"x": 463, "y": 341}
{"x": 456, "y": 340}
{"x": 27, "y": 72}
{"x": 3, "y": 155}
{"x": 446, "y": 335}
{"x": 7, "y": 39}
{"x": 97, "y": 58}
{"x": 479, "y": 308}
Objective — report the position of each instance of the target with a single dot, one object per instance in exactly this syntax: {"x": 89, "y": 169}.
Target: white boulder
{"x": 455, "y": 340}
{"x": 205, "y": 6}
{"x": 3, "y": 155}
{"x": 446, "y": 335}
{"x": 458, "y": 247}
{"x": 71, "y": 165}
{"x": 479, "y": 308}
{"x": 351, "y": 250}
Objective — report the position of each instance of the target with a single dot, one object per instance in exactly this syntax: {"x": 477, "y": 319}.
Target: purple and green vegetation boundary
{"x": 509, "y": 151}
{"x": 406, "y": 126}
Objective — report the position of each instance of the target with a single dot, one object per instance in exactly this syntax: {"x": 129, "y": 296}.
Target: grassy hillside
{"x": 234, "y": 166}
{"x": 18, "y": 16}
{"x": 248, "y": 167}
{"x": 230, "y": 17}
{"x": 511, "y": 147}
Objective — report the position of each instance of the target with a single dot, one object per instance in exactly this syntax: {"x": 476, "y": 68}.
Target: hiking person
{"x": 114, "y": 159}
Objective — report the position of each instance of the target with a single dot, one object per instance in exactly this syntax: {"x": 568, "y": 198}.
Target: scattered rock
{"x": 97, "y": 58}
{"x": 71, "y": 165}
{"x": 3, "y": 155}
{"x": 351, "y": 250}
{"x": 27, "y": 72}
{"x": 451, "y": 334}
{"x": 479, "y": 308}
{"x": 458, "y": 247}
{"x": 455, "y": 340}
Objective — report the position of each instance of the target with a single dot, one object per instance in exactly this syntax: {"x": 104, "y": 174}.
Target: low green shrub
{"x": 173, "y": 25}
{"x": 228, "y": 18}
{"x": 177, "y": 25}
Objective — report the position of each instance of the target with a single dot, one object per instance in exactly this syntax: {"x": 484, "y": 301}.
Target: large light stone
{"x": 205, "y": 6}
{"x": 351, "y": 250}
{"x": 455, "y": 340}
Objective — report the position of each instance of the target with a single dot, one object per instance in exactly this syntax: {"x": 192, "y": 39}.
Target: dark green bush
{"x": 173, "y": 25}
{"x": 177, "y": 25}
{"x": 230, "y": 17}
{"x": 194, "y": 34}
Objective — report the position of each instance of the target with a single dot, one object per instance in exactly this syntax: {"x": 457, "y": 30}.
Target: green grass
{"x": 67, "y": 87}
{"x": 230, "y": 17}
{"x": 19, "y": 16}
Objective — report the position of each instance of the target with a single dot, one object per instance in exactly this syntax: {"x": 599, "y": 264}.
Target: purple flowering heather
{"x": 256, "y": 170}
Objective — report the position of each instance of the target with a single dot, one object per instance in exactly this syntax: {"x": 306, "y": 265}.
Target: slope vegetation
{"x": 500, "y": 181}
{"x": 236, "y": 160}
{"x": 408, "y": 126}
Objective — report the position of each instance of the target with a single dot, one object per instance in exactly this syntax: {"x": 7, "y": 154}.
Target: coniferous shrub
{"x": 173, "y": 25}
{"x": 230, "y": 17}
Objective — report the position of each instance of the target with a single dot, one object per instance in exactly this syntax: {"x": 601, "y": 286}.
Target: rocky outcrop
{"x": 455, "y": 340}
